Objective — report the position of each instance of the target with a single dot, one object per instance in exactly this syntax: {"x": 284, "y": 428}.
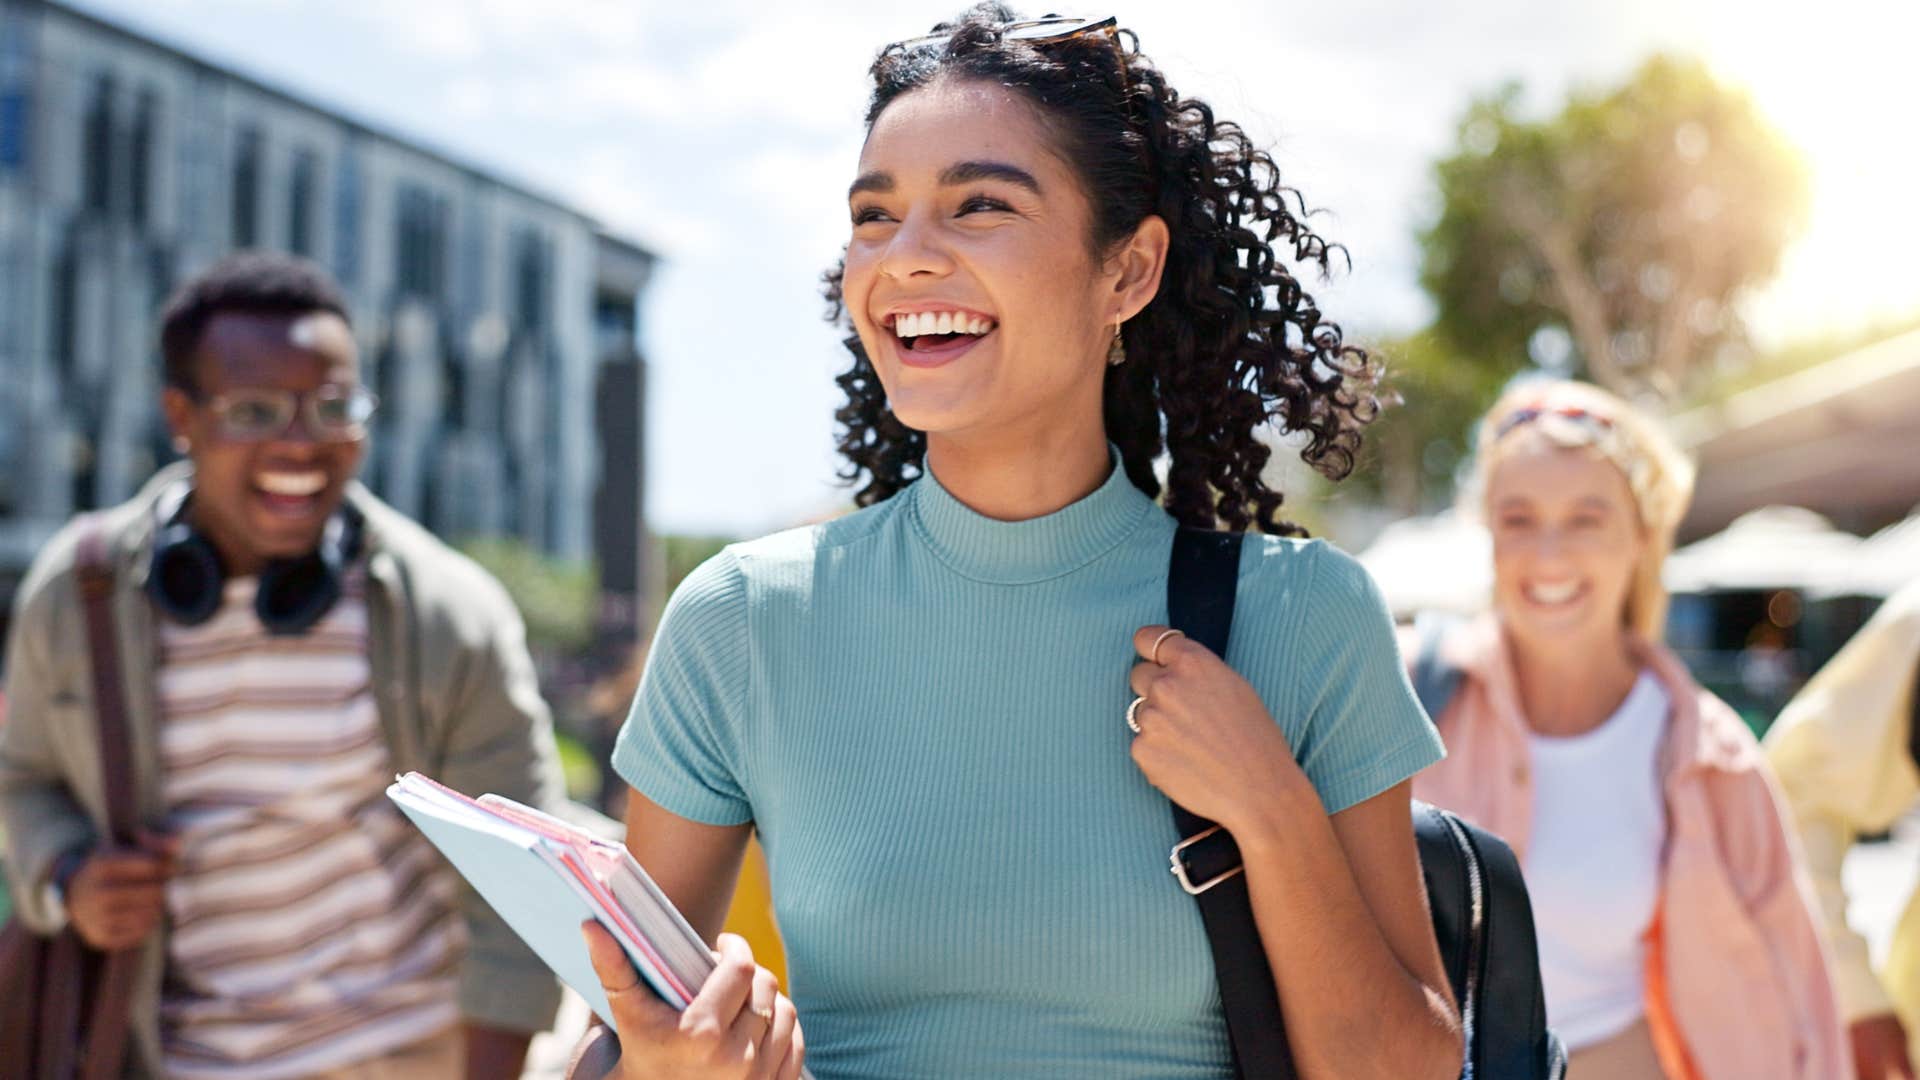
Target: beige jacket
{"x": 1736, "y": 982}
{"x": 1840, "y": 750}
{"x": 455, "y": 687}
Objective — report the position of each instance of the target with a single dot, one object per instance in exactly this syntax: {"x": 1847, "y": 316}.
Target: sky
{"x": 722, "y": 134}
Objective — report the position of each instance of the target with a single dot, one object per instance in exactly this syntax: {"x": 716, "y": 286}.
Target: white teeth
{"x": 1553, "y": 594}
{"x": 291, "y": 484}
{"x": 917, "y": 323}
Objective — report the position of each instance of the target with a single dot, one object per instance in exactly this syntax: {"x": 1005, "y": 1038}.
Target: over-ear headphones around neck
{"x": 187, "y": 580}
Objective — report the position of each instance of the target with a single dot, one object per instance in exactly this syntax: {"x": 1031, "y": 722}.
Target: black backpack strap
{"x": 1913, "y": 718}
{"x": 1201, "y": 580}
{"x": 1435, "y": 679}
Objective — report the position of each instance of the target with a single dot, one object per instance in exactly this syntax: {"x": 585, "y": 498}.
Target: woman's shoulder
{"x": 1712, "y": 735}
{"x": 1293, "y": 572}
{"x": 749, "y": 572}
{"x": 1312, "y": 602}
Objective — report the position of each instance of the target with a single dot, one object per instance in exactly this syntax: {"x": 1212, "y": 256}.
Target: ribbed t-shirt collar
{"x": 1020, "y": 552}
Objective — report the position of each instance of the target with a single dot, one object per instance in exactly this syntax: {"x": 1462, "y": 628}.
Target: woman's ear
{"x": 1139, "y": 264}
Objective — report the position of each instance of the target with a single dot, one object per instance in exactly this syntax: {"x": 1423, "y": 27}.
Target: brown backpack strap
{"x": 95, "y": 576}
{"x": 106, "y": 1039}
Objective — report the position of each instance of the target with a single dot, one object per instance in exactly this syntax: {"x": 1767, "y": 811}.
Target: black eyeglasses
{"x": 330, "y": 414}
{"x": 1045, "y": 31}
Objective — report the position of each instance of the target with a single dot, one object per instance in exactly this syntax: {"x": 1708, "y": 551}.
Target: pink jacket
{"x": 1737, "y": 982}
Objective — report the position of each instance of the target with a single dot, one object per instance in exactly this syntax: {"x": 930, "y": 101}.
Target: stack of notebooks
{"x": 546, "y": 877}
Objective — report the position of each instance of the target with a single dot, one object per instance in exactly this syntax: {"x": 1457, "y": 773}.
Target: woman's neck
{"x": 1020, "y": 479}
{"x": 1571, "y": 688}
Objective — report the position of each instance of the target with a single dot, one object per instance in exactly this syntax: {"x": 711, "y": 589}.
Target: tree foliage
{"x": 1414, "y": 450}
{"x": 556, "y": 598}
{"x": 1616, "y": 237}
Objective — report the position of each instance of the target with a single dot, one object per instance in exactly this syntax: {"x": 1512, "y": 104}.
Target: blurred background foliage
{"x": 556, "y": 598}
{"x": 1614, "y": 239}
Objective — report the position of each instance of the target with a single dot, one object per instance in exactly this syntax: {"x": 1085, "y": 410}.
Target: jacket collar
{"x": 1702, "y": 732}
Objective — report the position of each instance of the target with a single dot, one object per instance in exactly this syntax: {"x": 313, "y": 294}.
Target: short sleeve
{"x": 1363, "y": 730}
{"x": 680, "y": 746}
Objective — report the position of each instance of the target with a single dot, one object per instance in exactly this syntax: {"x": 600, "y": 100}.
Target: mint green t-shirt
{"x": 923, "y": 712}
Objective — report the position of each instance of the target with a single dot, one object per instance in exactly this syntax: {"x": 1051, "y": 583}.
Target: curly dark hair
{"x": 256, "y": 282}
{"x": 1230, "y": 341}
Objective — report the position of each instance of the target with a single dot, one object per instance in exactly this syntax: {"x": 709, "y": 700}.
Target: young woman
{"x": 1059, "y": 270}
{"x": 1676, "y": 936}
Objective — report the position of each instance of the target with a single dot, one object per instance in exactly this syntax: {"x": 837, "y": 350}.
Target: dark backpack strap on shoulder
{"x": 94, "y": 575}
{"x": 1202, "y": 577}
{"x": 1913, "y": 717}
{"x": 1435, "y": 678}
{"x": 111, "y": 1008}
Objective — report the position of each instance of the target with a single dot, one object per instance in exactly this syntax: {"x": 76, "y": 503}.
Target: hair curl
{"x": 1230, "y": 341}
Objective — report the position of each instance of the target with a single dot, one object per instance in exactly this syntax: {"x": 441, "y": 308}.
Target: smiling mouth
{"x": 292, "y": 495}
{"x": 939, "y": 331}
{"x": 1559, "y": 594}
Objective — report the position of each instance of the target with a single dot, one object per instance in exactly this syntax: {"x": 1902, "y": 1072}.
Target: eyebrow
{"x": 964, "y": 172}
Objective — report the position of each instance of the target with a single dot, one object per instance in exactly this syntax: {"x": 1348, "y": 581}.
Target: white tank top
{"x": 1593, "y": 864}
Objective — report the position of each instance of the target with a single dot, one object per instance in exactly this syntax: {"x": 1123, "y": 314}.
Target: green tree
{"x": 1614, "y": 238}
{"x": 556, "y": 598}
{"x": 1413, "y": 450}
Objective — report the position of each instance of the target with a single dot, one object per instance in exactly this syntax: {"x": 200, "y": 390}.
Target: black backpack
{"x": 1481, "y": 915}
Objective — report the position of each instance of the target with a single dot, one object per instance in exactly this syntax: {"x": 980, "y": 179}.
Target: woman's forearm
{"x": 1353, "y": 1009}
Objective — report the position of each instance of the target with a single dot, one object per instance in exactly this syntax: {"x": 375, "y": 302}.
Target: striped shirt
{"x": 311, "y": 926}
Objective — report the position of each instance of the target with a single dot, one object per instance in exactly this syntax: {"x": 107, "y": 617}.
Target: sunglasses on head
{"x": 1574, "y": 413}
{"x": 256, "y": 414}
{"x": 1043, "y": 31}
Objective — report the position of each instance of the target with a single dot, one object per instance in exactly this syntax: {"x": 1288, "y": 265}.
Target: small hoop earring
{"x": 1117, "y": 351}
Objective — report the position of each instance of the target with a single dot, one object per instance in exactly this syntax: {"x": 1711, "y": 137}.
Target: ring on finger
{"x": 1154, "y": 653}
{"x": 1133, "y": 715}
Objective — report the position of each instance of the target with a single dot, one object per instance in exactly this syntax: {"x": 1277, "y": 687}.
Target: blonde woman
{"x": 1677, "y": 939}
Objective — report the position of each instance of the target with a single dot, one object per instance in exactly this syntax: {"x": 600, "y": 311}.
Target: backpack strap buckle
{"x": 1187, "y": 866}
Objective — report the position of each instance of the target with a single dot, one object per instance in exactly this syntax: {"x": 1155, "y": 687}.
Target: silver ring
{"x": 1133, "y": 710}
{"x": 1154, "y": 653}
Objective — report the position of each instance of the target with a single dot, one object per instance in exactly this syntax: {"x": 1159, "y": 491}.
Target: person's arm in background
{"x": 498, "y": 737}
{"x": 1770, "y": 874}
{"x": 1840, "y": 753}
{"x": 116, "y": 895}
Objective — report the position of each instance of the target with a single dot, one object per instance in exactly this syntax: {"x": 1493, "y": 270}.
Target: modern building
{"x": 498, "y": 325}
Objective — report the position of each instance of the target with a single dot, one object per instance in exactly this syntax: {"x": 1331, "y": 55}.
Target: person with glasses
{"x": 1676, "y": 929}
{"x": 289, "y": 644}
{"x": 955, "y": 717}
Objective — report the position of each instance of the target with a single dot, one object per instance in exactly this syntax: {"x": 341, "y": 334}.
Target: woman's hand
{"x": 1206, "y": 739}
{"x": 738, "y": 1027}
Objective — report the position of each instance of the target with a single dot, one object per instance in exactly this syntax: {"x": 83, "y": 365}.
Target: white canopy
{"x": 1890, "y": 558}
{"x": 1438, "y": 563}
{"x": 1774, "y": 547}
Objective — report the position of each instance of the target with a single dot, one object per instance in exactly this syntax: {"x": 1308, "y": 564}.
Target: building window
{"x": 140, "y": 149}
{"x": 421, "y": 243}
{"x": 16, "y": 90}
{"x": 97, "y": 147}
{"x": 246, "y": 188}
{"x": 530, "y": 276}
{"x": 346, "y": 216}
{"x": 306, "y": 173}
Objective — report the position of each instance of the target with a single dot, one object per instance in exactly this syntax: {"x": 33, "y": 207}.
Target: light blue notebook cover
{"x": 512, "y": 870}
